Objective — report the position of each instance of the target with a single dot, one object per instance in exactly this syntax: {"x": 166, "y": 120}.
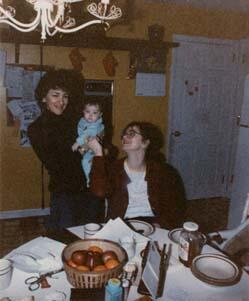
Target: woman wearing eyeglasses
{"x": 139, "y": 185}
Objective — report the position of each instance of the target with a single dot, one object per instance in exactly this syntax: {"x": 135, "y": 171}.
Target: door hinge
{"x": 243, "y": 58}
{"x": 234, "y": 57}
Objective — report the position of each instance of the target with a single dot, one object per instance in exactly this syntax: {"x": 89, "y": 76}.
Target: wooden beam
{"x": 82, "y": 40}
{"x": 17, "y": 52}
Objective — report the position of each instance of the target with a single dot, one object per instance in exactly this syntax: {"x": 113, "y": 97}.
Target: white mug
{"x": 91, "y": 229}
{"x": 129, "y": 244}
{"x": 5, "y": 273}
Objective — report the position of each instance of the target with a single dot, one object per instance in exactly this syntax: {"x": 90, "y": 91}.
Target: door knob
{"x": 240, "y": 124}
{"x": 176, "y": 133}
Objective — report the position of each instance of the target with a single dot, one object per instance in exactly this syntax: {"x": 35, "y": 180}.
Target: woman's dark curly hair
{"x": 152, "y": 133}
{"x": 68, "y": 80}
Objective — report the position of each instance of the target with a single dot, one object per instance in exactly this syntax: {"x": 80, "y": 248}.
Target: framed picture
{"x": 149, "y": 60}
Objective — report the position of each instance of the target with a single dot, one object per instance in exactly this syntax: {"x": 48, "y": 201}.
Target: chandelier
{"x": 54, "y": 16}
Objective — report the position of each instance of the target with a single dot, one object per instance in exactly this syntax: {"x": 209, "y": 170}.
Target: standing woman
{"x": 140, "y": 185}
{"x": 52, "y": 134}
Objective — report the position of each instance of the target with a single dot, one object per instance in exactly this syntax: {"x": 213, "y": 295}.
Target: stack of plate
{"x": 141, "y": 227}
{"x": 215, "y": 269}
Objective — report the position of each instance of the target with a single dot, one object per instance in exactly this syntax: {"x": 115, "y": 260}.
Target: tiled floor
{"x": 210, "y": 214}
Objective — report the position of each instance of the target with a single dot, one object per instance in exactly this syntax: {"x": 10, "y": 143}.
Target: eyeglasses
{"x": 130, "y": 134}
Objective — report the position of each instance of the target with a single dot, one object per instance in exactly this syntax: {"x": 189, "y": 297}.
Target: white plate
{"x": 141, "y": 227}
{"x": 29, "y": 264}
{"x": 25, "y": 262}
{"x": 215, "y": 269}
{"x": 40, "y": 254}
{"x": 174, "y": 235}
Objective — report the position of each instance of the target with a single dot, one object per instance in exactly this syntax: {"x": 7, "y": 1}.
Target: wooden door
{"x": 203, "y": 86}
{"x": 240, "y": 175}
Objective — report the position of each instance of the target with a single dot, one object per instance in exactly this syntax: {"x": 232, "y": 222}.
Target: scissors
{"x": 34, "y": 282}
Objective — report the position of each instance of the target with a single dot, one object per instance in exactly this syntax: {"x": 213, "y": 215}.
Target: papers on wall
{"x": 21, "y": 85}
{"x": 13, "y": 81}
{"x": 150, "y": 84}
{"x": 30, "y": 81}
{"x": 26, "y": 112}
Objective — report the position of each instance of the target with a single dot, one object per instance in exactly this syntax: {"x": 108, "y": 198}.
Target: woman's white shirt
{"x": 138, "y": 194}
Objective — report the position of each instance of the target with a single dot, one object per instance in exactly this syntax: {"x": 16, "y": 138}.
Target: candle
{"x": 105, "y": 1}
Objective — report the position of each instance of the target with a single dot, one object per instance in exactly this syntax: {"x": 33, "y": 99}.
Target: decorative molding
{"x": 82, "y": 40}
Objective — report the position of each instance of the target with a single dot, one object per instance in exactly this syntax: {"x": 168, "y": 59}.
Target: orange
{"x": 71, "y": 263}
{"x": 111, "y": 263}
{"x": 95, "y": 249}
{"x": 83, "y": 268}
{"x": 99, "y": 268}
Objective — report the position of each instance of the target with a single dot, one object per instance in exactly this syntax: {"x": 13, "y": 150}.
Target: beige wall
{"x": 20, "y": 176}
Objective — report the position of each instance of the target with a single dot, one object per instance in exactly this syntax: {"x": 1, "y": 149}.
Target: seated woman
{"x": 140, "y": 185}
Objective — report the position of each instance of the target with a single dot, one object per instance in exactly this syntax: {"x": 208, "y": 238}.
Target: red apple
{"x": 79, "y": 257}
{"x": 109, "y": 255}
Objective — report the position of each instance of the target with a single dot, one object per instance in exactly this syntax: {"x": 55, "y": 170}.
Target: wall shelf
{"x": 80, "y": 39}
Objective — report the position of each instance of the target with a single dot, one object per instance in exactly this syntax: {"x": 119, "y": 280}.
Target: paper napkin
{"x": 41, "y": 254}
{"x": 117, "y": 228}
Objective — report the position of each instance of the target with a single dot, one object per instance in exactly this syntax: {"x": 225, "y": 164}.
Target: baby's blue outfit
{"x": 88, "y": 129}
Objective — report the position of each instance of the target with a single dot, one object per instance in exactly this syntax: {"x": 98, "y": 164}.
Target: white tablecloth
{"x": 180, "y": 284}
{"x": 59, "y": 285}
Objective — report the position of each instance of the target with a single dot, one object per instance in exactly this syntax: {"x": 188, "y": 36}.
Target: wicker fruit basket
{"x": 92, "y": 279}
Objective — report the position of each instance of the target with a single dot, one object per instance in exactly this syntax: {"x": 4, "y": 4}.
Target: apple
{"x": 99, "y": 268}
{"x": 93, "y": 259}
{"x": 71, "y": 263}
{"x": 109, "y": 255}
{"x": 83, "y": 268}
{"x": 89, "y": 261}
{"x": 79, "y": 257}
{"x": 97, "y": 259}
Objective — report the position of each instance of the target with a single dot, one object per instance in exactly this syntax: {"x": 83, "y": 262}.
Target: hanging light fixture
{"x": 54, "y": 16}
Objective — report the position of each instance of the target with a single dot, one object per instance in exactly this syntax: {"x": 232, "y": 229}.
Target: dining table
{"x": 180, "y": 283}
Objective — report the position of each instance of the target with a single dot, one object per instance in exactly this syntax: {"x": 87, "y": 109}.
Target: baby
{"x": 90, "y": 125}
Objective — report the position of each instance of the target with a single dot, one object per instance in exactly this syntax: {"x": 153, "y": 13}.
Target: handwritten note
{"x": 150, "y": 84}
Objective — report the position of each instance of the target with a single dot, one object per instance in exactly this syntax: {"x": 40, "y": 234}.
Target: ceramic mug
{"x": 5, "y": 273}
{"x": 91, "y": 229}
